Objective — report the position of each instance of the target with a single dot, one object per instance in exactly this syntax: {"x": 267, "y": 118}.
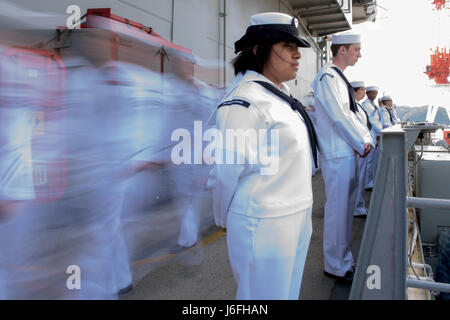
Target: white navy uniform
{"x": 394, "y": 117}
{"x": 267, "y": 213}
{"x": 191, "y": 101}
{"x": 385, "y": 118}
{"x": 340, "y": 136}
{"x": 362, "y": 167}
{"x": 377, "y": 127}
{"x": 16, "y": 184}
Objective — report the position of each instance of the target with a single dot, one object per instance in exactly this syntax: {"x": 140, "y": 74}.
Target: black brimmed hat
{"x": 270, "y": 27}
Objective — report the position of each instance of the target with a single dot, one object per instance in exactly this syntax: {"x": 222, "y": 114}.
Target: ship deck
{"x": 204, "y": 273}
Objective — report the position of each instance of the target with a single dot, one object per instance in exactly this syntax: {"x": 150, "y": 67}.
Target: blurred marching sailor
{"x": 341, "y": 138}
{"x": 192, "y": 102}
{"x": 16, "y": 191}
{"x": 371, "y": 109}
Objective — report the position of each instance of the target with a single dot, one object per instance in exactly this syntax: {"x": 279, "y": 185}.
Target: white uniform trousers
{"x": 372, "y": 163}
{"x": 340, "y": 188}
{"x": 360, "y": 201}
{"x": 189, "y": 213}
{"x": 268, "y": 255}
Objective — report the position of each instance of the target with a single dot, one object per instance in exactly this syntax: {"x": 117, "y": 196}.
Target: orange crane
{"x": 441, "y": 4}
{"x": 439, "y": 67}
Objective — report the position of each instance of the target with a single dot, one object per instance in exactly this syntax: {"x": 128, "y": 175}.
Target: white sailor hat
{"x": 345, "y": 38}
{"x": 357, "y": 84}
{"x": 270, "y": 27}
{"x": 386, "y": 98}
{"x": 371, "y": 88}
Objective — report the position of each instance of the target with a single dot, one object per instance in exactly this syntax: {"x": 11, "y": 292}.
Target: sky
{"x": 396, "y": 48}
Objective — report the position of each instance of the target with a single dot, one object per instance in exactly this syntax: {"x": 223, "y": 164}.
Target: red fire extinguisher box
{"x": 105, "y": 37}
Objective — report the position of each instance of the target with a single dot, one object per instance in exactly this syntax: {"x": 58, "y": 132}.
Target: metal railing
{"x": 382, "y": 268}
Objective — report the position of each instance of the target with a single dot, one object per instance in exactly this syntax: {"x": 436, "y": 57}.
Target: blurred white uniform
{"x": 16, "y": 184}
{"x": 21, "y": 229}
{"x": 133, "y": 120}
{"x": 95, "y": 190}
{"x": 191, "y": 101}
{"x": 267, "y": 213}
{"x": 341, "y": 137}
{"x": 362, "y": 168}
{"x": 377, "y": 127}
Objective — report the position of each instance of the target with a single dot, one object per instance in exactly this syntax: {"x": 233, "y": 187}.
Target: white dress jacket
{"x": 339, "y": 131}
{"x": 272, "y": 186}
{"x": 374, "y": 116}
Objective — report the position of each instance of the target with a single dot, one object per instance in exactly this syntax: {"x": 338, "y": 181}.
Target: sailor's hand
{"x": 367, "y": 148}
{"x": 376, "y": 144}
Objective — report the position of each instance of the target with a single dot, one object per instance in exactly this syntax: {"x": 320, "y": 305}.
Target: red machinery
{"x": 439, "y": 67}
{"x": 101, "y": 27}
{"x": 441, "y": 4}
{"x": 447, "y": 136}
{"x": 152, "y": 46}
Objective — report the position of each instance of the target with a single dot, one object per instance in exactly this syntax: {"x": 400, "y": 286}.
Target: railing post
{"x": 382, "y": 262}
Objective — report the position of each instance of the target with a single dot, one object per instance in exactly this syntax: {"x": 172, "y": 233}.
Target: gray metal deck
{"x": 204, "y": 272}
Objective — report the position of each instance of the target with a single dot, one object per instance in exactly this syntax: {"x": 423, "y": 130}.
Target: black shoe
{"x": 347, "y": 278}
{"x": 369, "y": 189}
{"x": 126, "y": 289}
{"x": 362, "y": 216}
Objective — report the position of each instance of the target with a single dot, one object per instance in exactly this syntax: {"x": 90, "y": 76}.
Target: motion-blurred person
{"x": 136, "y": 122}
{"x": 359, "y": 93}
{"x": 94, "y": 194}
{"x": 16, "y": 178}
{"x": 192, "y": 101}
{"x": 371, "y": 109}
{"x": 342, "y": 138}
{"x": 31, "y": 148}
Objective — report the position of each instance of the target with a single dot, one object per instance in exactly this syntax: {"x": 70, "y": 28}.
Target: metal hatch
{"x": 323, "y": 17}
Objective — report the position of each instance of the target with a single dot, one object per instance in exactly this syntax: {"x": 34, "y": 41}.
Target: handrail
{"x": 428, "y": 285}
{"x": 383, "y": 253}
{"x": 381, "y": 271}
{"x": 414, "y": 202}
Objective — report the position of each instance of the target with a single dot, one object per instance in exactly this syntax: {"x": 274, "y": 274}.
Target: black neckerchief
{"x": 375, "y": 108}
{"x": 351, "y": 97}
{"x": 369, "y": 125}
{"x": 296, "y": 105}
{"x": 390, "y": 116}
